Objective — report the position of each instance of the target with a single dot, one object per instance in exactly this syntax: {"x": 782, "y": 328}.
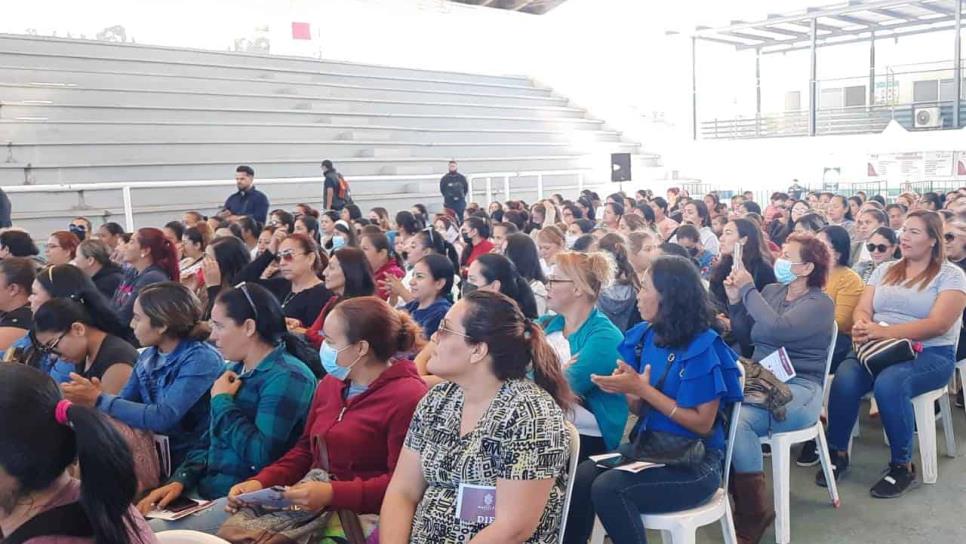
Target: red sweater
{"x": 388, "y": 269}
{"x": 313, "y": 334}
{"x": 362, "y": 436}
{"x": 481, "y": 248}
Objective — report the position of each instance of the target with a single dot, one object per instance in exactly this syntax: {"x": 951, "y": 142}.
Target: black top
{"x": 306, "y": 305}
{"x": 113, "y": 350}
{"x": 762, "y": 274}
{"x": 108, "y": 279}
{"x": 453, "y": 187}
{"x": 332, "y": 182}
{"x": 21, "y": 318}
{"x": 252, "y": 203}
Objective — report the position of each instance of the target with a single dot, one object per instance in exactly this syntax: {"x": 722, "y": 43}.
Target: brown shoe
{"x": 754, "y": 512}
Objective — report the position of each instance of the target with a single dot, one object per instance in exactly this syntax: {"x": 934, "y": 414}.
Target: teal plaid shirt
{"x": 253, "y": 428}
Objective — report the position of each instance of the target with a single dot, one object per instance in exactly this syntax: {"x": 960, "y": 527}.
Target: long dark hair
{"x": 512, "y": 284}
{"x": 269, "y": 321}
{"x": 35, "y": 450}
{"x": 232, "y": 255}
{"x": 67, "y": 281}
{"x": 754, "y": 254}
{"x": 408, "y": 223}
{"x": 440, "y": 268}
{"x": 428, "y": 237}
{"x": 840, "y": 241}
{"x": 516, "y": 344}
{"x": 522, "y": 251}
{"x": 685, "y": 310}
{"x": 312, "y": 226}
{"x": 357, "y": 271}
{"x": 616, "y": 246}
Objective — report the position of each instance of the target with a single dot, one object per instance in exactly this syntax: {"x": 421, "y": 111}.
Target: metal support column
{"x": 757, "y": 91}
{"x": 694, "y": 88}
{"x": 958, "y": 67}
{"x": 813, "y": 83}
{"x": 871, "y": 69}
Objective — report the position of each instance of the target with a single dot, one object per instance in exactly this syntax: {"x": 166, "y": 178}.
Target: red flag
{"x": 301, "y": 31}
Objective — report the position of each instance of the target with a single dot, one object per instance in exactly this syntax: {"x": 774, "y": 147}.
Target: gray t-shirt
{"x": 895, "y": 304}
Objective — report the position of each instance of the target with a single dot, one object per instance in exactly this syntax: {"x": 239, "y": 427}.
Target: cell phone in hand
{"x": 737, "y": 264}
{"x": 180, "y": 504}
{"x": 272, "y": 497}
{"x": 612, "y": 462}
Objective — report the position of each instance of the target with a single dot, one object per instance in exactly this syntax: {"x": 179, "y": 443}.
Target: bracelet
{"x": 671, "y": 415}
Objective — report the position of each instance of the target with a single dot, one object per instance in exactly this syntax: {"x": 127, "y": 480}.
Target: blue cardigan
{"x": 595, "y": 345}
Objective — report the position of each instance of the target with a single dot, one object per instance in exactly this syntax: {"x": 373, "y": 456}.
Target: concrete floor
{"x": 930, "y": 513}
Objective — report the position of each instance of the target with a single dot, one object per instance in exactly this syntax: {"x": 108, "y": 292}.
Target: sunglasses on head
{"x": 880, "y": 248}
{"x": 243, "y": 287}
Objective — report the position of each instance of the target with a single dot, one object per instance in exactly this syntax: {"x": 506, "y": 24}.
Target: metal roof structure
{"x": 536, "y": 7}
{"x": 854, "y": 21}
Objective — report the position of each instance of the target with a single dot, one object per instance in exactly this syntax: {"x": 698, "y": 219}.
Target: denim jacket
{"x": 168, "y": 394}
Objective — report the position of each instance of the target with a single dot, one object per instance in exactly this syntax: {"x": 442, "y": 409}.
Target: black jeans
{"x": 619, "y": 498}
{"x": 591, "y": 445}
{"x": 458, "y": 209}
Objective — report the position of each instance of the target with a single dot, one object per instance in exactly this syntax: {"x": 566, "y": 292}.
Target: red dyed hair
{"x": 162, "y": 251}
{"x": 816, "y": 252}
{"x": 68, "y": 241}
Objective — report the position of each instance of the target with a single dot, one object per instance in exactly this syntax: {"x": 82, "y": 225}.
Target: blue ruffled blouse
{"x": 704, "y": 370}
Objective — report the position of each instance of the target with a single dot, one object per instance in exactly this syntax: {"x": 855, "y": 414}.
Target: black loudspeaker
{"x": 620, "y": 167}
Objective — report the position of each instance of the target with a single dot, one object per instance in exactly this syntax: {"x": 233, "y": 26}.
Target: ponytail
{"x": 109, "y": 482}
{"x": 297, "y": 348}
{"x": 409, "y": 338}
{"x": 547, "y": 370}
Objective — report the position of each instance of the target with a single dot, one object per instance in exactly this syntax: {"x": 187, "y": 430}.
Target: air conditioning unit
{"x": 927, "y": 117}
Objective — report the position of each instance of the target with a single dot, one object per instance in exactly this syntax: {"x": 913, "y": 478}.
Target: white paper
{"x": 632, "y": 466}
{"x": 174, "y": 516}
{"x": 779, "y": 364}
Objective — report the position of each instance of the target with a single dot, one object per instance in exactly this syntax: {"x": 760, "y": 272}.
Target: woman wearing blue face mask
{"x": 360, "y": 415}
{"x": 794, "y": 314}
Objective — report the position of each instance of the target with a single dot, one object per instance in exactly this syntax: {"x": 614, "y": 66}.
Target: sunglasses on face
{"x": 287, "y": 256}
{"x": 877, "y": 248}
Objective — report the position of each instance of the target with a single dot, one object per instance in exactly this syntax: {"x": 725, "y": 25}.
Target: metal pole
{"x": 489, "y": 191}
{"x": 813, "y": 83}
{"x": 694, "y": 88}
{"x": 128, "y": 208}
{"x": 758, "y": 91}
{"x": 871, "y": 68}
{"x": 958, "y": 68}
{"x": 539, "y": 186}
{"x": 469, "y": 188}
{"x": 506, "y": 187}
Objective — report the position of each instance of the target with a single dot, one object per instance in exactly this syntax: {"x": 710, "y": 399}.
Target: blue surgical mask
{"x": 338, "y": 242}
{"x": 329, "y": 356}
{"x": 783, "y": 271}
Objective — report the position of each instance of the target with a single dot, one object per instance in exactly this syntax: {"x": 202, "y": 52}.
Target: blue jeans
{"x": 619, "y": 498}
{"x": 893, "y": 388}
{"x": 206, "y": 521}
{"x": 755, "y": 422}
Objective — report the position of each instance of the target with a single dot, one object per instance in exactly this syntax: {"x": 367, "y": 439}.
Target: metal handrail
{"x": 126, "y": 187}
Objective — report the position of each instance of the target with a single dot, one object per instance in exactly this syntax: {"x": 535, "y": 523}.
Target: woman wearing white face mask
{"x": 359, "y": 417}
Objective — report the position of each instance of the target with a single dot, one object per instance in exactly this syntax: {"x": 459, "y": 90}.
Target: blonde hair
{"x": 553, "y": 235}
{"x": 590, "y": 272}
{"x": 637, "y": 239}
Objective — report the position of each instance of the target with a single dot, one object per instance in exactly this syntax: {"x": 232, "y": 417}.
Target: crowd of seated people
{"x": 383, "y": 366}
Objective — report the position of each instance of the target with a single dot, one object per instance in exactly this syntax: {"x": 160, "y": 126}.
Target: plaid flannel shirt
{"x": 251, "y": 429}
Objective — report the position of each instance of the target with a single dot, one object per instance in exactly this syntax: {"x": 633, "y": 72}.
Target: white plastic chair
{"x": 923, "y": 406}
{"x": 781, "y": 457}
{"x": 188, "y": 537}
{"x": 574, "y": 459}
{"x": 961, "y": 368}
{"x": 681, "y": 527}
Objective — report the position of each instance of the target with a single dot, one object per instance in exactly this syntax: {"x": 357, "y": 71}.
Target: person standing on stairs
{"x": 454, "y": 188}
{"x": 331, "y": 185}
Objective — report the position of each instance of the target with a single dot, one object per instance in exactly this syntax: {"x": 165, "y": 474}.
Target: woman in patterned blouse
{"x": 486, "y": 433}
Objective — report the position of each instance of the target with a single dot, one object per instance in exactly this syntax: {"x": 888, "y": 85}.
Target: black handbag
{"x": 878, "y": 355}
{"x": 666, "y": 448}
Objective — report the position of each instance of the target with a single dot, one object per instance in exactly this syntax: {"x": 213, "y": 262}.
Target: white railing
{"x": 127, "y": 187}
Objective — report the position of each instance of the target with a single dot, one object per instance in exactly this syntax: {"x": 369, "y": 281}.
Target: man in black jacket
{"x": 454, "y": 188}
{"x": 332, "y": 199}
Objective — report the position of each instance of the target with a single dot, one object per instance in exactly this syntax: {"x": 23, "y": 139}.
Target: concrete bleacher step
{"x": 153, "y": 53}
{"x": 105, "y": 96}
{"x": 63, "y": 112}
{"x": 95, "y": 153}
{"x": 52, "y": 78}
{"x": 163, "y": 131}
{"x": 194, "y": 69}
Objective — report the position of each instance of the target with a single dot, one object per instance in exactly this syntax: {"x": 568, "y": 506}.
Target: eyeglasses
{"x": 243, "y": 287}
{"x": 443, "y": 330}
{"x": 50, "y": 348}
{"x": 880, "y": 248}
{"x": 287, "y": 256}
{"x": 551, "y": 281}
